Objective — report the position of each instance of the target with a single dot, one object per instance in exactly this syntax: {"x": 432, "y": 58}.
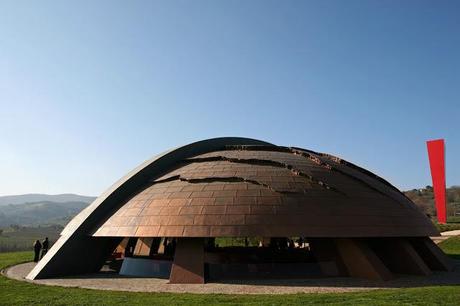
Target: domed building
{"x": 243, "y": 208}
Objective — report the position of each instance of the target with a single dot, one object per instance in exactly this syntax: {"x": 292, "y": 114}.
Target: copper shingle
{"x": 258, "y": 191}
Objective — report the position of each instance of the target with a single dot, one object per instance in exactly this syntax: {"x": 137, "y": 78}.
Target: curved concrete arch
{"x": 76, "y": 252}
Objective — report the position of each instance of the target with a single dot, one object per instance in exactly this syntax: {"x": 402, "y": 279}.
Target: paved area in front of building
{"x": 445, "y": 235}
{"x": 451, "y": 233}
{"x": 113, "y": 281}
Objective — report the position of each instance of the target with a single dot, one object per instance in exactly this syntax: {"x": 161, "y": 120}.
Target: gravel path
{"x": 112, "y": 281}
{"x": 445, "y": 235}
{"x": 451, "y": 233}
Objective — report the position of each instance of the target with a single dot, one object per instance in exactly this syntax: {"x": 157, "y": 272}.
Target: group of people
{"x": 40, "y": 246}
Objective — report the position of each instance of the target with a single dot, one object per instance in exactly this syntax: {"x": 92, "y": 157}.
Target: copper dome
{"x": 240, "y": 187}
{"x": 268, "y": 191}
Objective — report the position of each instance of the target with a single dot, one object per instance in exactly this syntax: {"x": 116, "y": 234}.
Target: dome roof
{"x": 231, "y": 190}
{"x": 241, "y": 187}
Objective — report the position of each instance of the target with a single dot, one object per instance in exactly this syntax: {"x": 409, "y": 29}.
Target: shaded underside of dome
{"x": 268, "y": 191}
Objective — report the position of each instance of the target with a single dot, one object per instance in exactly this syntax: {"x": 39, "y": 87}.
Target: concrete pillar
{"x": 401, "y": 257}
{"x": 431, "y": 254}
{"x": 325, "y": 252}
{"x": 142, "y": 247}
{"x": 361, "y": 261}
{"x": 188, "y": 265}
{"x": 156, "y": 242}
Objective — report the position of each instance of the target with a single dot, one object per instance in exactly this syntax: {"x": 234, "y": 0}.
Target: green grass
{"x": 14, "y": 258}
{"x": 14, "y": 292}
{"x": 453, "y": 223}
{"x": 227, "y": 242}
{"x": 22, "y": 238}
{"x": 453, "y": 219}
{"x": 447, "y": 227}
{"x": 451, "y": 247}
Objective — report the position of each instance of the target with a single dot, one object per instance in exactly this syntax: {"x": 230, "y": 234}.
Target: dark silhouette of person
{"x": 170, "y": 246}
{"x": 300, "y": 242}
{"x": 45, "y": 246}
{"x": 37, "y": 248}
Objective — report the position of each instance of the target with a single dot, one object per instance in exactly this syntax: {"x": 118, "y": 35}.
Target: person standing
{"x": 37, "y": 248}
{"x": 45, "y": 245}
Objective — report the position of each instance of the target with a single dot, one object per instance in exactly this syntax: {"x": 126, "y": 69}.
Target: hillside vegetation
{"x": 39, "y": 213}
{"x": 26, "y": 218}
{"x": 20, "y": 238}
{"x": 40, "y": 209}
{"x": 39, "y": 197}
{"x": 424, "y": 199}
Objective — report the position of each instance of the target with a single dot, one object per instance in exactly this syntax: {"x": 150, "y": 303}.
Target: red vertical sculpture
{"x": 436, "y": 157}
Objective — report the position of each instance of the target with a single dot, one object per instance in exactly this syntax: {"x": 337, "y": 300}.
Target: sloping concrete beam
{"x": 361, "y": 261}
{"x": 432, "y": 255}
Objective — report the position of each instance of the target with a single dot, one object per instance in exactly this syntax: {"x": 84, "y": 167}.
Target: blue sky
{"x": 90, "y": 89}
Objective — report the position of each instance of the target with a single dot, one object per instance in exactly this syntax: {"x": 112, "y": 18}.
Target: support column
{"x": 188, "y": 265}
{"x": 361, "y": 261}
{"x": 401, "y": 257}
{"x": 155, "y": 246}
{"x": 130, "y": 246}
{"x": 327, "y": 256}
{"x": 432, "y": 255}
{"x": 143, "y": 246}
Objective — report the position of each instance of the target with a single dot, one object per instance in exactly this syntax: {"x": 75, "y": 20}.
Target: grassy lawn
{"x": 14, "y": 292}
{"x": 451, "y": 247}
{"x": 13, "y": 239}
{"x": 450, "y": 226}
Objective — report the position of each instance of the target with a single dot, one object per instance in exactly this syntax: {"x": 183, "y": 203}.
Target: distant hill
{"x": 39, "y": 213}
{"x": 41, "y": 209}
{"x": 424, "y": 199}
{"x": 38, "y": 197}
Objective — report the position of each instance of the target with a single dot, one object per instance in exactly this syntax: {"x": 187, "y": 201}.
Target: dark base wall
{"x": 375, "y": 259}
